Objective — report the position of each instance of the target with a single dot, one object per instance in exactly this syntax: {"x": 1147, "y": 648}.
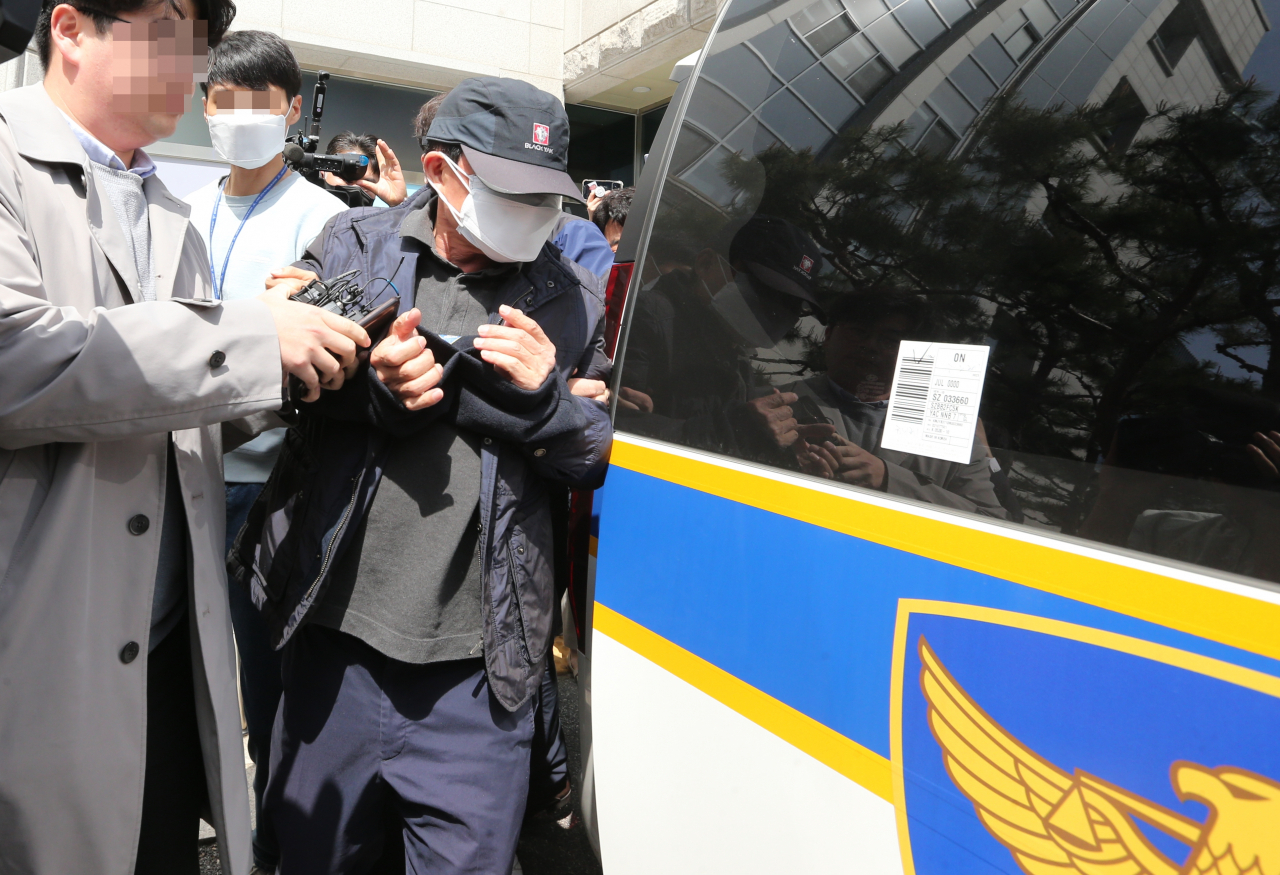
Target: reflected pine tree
{"x": 1092, "y": 272}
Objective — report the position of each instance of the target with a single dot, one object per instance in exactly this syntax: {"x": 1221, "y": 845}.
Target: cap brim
{"x": 781, "y": 283}
{"x": 517, "y": 177}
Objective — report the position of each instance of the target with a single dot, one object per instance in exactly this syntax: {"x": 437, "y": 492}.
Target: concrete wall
{"x": 615, "y": 53}
{"x": 427, "y": 43}
{"x": 610, "y": 42}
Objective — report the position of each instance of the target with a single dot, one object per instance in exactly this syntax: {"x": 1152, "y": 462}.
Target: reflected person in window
{"x": 860, "y": 347}
{"x": 699, "y": 332}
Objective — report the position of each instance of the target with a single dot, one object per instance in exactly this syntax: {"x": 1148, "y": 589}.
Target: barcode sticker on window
{"x": 933, "y": 405}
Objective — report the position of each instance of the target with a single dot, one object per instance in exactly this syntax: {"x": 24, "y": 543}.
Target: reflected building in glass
{"x": 798, "y": 73}
{"x": 1090, "y": 190}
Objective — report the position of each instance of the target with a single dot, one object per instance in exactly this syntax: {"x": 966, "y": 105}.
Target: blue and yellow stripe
{"x": 780, "y": 600}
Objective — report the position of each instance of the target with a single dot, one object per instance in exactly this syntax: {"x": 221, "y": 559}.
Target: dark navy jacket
{"x": 331, "y": 463}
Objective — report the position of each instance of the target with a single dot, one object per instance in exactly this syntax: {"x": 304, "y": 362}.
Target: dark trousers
{"x": 259, "y": 677}
{"x": 550, "y": 761}
{"x": 173, "y": 790}
{"x": 358, "y": 733}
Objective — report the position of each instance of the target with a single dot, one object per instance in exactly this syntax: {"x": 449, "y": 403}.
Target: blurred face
{"x": 236, "y": 99}
{"x": 613, "y": 233}
{"x": 861, "y": 357}
{"x": 130, "y": 85}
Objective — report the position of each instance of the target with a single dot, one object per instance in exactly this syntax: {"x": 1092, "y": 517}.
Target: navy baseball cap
{"x": 515, "y": 136}
{"x": 780, "y": 255}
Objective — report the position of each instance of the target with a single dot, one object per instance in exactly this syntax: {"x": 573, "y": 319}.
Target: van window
{"x": 1015, "y": 260}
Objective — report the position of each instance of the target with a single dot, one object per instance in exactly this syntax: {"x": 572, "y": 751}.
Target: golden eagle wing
{"x": 1052, "y": 823}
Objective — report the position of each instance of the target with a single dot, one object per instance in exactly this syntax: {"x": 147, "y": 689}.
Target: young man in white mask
{"x": 258, "y": 217}
{"x": 408, "y": 563}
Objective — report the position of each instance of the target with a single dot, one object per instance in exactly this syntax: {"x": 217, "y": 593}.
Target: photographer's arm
{"x": 390, "y": 187}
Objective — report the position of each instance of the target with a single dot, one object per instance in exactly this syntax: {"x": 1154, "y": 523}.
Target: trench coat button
{"x": 488, "y": 440}
{"x": 539, "y": 452}
{"x": 528, "y": 302}
{"x": 520, "y": 550}
{"x": 138, "y": 524}
{"x": 217, "y": 360}
{"x": 129, "y": 652}
{"x": 551, "y": 284}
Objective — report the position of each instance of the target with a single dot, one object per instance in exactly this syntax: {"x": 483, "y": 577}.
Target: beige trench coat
{"x": 89, "y": 388}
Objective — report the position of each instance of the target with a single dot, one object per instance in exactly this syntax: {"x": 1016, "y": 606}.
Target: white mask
{"x": 245, "y": 138}
{"x": 506, "y": 227}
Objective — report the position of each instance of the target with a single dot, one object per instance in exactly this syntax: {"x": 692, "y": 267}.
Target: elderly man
{"x": 403, "y": 548}
{"x": 118, "y": 713}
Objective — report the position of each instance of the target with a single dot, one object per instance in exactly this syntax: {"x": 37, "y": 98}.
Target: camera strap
{"x": 213, "y": 223}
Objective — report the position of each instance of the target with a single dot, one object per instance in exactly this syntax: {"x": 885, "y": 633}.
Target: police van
{"x": 942, "y": 530}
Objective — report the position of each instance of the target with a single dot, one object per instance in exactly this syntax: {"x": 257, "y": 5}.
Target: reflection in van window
{"x": 1090, "y": 190}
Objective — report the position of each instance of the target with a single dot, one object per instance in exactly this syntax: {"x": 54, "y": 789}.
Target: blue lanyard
{"x": 213, "y": 223}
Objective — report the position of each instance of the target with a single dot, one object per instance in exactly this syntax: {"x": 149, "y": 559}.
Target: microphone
{"x": 293, "y": 155}
{"x": 347, "y": 166}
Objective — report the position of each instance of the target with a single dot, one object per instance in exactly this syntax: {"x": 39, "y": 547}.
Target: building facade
{"x": 797, "y": 73}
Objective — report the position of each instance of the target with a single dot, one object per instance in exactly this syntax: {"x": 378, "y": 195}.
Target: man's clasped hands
{"x": 517, "y": 348}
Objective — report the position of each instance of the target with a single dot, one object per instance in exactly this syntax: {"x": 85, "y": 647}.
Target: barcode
{"x": 911, "y": 392}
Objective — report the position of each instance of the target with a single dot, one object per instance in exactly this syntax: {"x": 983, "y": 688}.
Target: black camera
{"x": 349, "y": 166}
{"x": 344, "y": 297}
{"x": 300, "y": 154}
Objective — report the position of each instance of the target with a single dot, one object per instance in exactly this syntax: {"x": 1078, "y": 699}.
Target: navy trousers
{"x": 259, "y": 677}
{"x": 358, "y": 733}
{"x": 550, "y": 766}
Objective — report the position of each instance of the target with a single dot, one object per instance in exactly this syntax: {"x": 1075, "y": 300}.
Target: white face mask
{"x": 245, "y": 138}
{"x": 505, "y": 227}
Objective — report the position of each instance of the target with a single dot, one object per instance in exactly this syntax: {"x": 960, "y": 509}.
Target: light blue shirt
{"x": 287, "y": 219}
{"x": 100, "y": 154}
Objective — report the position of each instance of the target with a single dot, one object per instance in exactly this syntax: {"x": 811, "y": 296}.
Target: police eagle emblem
{"x": 1054, "y": 823}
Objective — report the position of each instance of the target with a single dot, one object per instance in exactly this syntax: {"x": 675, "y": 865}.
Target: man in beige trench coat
{"x": 99, "y": 365}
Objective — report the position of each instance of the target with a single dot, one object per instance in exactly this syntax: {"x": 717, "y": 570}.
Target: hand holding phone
{"x": 599, "y": 187}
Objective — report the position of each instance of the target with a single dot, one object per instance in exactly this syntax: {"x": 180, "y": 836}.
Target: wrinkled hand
{"x": 291, "y": 278}
{"x": 812, "y": 463}
{"x": 774, "y": 412}
{"x": 390, "y": 185}
{"x": 596, "y": 390}
{"x": 519, "y": 348}
{"x": 634, "y": 399}
{"x": 849, "y": 462}
{"x": 405, "y": 365}
{"x": 1264, "y": 453}
{"x": 316, "y": 346}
